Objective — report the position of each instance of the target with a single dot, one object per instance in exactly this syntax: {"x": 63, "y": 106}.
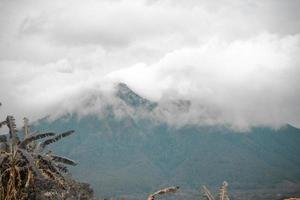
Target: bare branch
{"x": 168, "y": 190}
{"x": 206, "y": 193}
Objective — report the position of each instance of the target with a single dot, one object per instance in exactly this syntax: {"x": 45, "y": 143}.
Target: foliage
{"x": 26, "y": 171}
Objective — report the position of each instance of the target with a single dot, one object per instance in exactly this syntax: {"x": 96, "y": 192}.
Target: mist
{"x": 236, "y": 62}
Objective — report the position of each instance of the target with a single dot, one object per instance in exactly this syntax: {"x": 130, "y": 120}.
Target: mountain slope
{"x": 131, "y": 155}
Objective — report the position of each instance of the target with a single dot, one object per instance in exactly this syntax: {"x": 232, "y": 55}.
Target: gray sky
{"x": 239, "y": 58}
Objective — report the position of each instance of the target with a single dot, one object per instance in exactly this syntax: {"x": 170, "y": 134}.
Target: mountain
{"x": 133, "y": 155}
{"x": 133, "y": 99}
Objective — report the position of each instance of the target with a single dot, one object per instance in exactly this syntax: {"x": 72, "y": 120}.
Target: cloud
{"x": 246, "y": 82}
{"x": 237, "y": 61}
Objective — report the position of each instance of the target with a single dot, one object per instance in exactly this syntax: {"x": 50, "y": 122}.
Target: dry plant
{"x": 207, "y": 194}
{"x": 223, "y": 193}
{"x": 168, "y": 190}
{"x": 24, "y": 167}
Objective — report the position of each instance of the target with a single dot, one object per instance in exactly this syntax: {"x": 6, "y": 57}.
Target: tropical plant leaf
{"x": 26, "y": 127}
{"x": 168, "y": 190}
{"x": 54, "y": 139}
{"x": 61, "y": 168}
{"x": 223, "y": 194}
{"x": 207, "y": 194}
{"x": 29, "y": 158}
{"x": 12, "y": 129}
{"x": 3, "y": 158}
{"x": 33, "y": 137}
{"x": 63, "y": 160}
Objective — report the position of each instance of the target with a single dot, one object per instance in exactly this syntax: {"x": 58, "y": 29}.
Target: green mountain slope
{"x": 134, "y": 156}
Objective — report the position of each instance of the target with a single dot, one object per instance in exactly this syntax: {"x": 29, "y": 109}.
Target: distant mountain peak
{"x": 124, "y": 89}
{"x": 133, "y": 99}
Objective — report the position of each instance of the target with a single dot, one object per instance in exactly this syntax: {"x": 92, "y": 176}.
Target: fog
{"x": 236, "y": 61}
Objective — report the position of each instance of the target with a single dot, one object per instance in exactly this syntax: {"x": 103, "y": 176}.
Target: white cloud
{"x": 248, "y": 82}
{"x": 236, "y": 60}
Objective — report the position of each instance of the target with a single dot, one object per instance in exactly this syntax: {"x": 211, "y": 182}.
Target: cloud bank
{"x": 236, "y": 61}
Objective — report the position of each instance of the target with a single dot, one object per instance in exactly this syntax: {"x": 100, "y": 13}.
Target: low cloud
{"x": 236, "y": 62}
{"x": 243, "y": 83}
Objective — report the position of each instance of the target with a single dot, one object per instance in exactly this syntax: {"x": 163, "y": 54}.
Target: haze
{"x": 239, "y": 59}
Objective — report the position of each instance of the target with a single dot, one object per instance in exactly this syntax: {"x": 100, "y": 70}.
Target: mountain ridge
{"x": 134, "y": 155}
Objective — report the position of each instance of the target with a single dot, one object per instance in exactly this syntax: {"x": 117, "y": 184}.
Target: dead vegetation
{"x": 28, "y": 172}
{"x": 168, "y": 190}
{"x": 223, "y": 193}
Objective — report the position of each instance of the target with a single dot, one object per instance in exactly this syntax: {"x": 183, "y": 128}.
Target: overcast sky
{"x": 238, "y": 57}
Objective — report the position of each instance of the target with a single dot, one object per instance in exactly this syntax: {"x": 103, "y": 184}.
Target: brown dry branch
{"x": 168, "y": 190}
{"x": 223, "y": 193}
{"x": 207, "y": 194}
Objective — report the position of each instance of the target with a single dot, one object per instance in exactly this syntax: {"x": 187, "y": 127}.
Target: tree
{"x": 25, "y": 167}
